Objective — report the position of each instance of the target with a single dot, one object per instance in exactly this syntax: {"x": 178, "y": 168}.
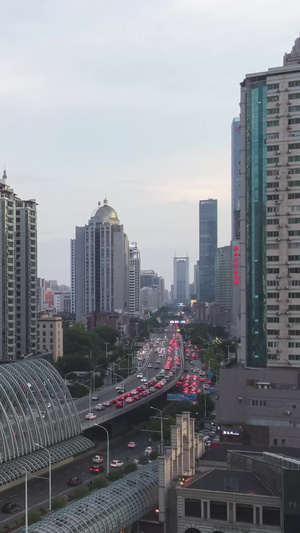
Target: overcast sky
{"x": 133, "y": 100}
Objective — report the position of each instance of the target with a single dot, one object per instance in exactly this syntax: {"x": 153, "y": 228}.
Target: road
{"x": 38, "y": 488}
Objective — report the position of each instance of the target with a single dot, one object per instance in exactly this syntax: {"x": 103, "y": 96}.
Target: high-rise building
{"x": 181, "y": 283}
{"x": 235, "y": 178}
{"x": 270, "y": 220}
{"x": 134, "y": 280}
{"x": 208, "y": 242}
{"x": 223, "y": 277}
{"x": 18, "y": 272}
{"x": 99, "y": 269}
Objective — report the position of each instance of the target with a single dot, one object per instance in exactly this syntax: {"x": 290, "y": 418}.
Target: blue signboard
{"x": 181, "y": 397}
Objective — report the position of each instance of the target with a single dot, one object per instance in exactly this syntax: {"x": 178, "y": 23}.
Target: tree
{"x": 76, "y": 340}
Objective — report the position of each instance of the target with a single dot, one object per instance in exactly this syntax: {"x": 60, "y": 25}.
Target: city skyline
{"x": 134, "y": 104}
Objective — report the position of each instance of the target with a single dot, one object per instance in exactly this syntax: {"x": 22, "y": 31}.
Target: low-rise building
{"x": 50, "y": 335}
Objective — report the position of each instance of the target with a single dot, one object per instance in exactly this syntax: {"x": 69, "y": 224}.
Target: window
{"x": 294, "y": 345}
{"x": 273, "y": 332}
{"x": 244, "y": 513}
{"x": 218, "y": 510}
{"x": 272, "y": 246}
{"x": 294, "y": 245}
{"x": 273, "y": 111}
{"x": 273, "y": 295}
{"x": 273, "y": 319}
{"x": 271, "y": 136}
{"x": 272, "y": 258}
{"x": 273, "y": 221}
{"x": 294, "y": 270}
{"x": 294, "y": 146}
{"x": 271, "y": 515}
{"x": 294, "y": 220}
{"x": 294, "y": 121}
{"x": 273, "y": 98}
{"x": 294, "y": 307}
{"x": 192, "y": 530}
{"x": 292, "y": 158}
{"x": 294, "y": 83}
{"x": 273, "y": 270}
{"x": 273, "y": 148}
{"x": 273, "y": 160}
{"x": 192, "y": 508}
{"x": 272, "y": 233}
{"x": 294, "y": 257}
{"x": 272, "y": 86}
{"x": 295, "y": 133}
{"x": 292, "y": 108}
{"x": 272, "y": 172}
{"x": 273, "y": 197}
{"x": 272, "y": 123}
{"x": 294, "y": 357}
{"x": 272, "y": 184}
{"x": 294, "y": 96}
{"x": 272, "y": 283}
{"x": 294, "y": 233}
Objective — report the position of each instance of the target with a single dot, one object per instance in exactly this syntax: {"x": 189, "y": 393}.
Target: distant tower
{"x": 181, "y": 284}
{"x": 100, "y": 262}
{"x": 134, "y": 280}
{"x": 208, "y": 242}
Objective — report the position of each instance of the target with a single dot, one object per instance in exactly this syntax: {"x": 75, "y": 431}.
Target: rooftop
{"x": 231, "y": 481}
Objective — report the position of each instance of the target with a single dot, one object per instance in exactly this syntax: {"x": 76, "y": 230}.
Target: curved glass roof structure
{"x": 110, "y": 509}
{"x": 35, "y": 408}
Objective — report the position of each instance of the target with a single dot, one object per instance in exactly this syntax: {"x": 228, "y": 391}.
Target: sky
{"x": 130, "y": 100}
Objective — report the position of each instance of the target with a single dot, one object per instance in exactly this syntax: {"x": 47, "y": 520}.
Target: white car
{"x": 148, "y": 450}
{"x": 131, "y": 444}
{"x": 205, "y": 386}
{"x": 151, "y": 389}
{"x": 97, "y": 459}
{"x": 115, "y": 463}
{"x": 90, "y": 416}
{"x": 150, "y": 365}
{"x": 144, "y": 380}
{"x": 99, "y": 407}
{"x": 95, "y": 397}
{"x": 129, "y": 399}
{"x": 139, "y": 375}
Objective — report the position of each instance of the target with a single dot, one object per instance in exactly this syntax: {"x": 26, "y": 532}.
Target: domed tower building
{"x": 99, "y": 265}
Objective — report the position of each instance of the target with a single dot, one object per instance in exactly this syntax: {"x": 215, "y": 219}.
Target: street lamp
{"x": 90, "y": 395}
{"x": 93, "y": 376}
{"x": 107, "y": 446}
{"x": 161, "y": 429}
{"x": 50, "y": 488}
{"x": 106, "y": 344}
{"x": 26, "y": 500}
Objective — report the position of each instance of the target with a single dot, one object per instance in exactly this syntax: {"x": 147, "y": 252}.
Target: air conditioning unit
{"x": 289, "y": 151}
{"x": 287, "y": 312}
{"x": 277, "y": 312}
{"x": 278, "y": 276}
{"x": 286, "y": 287}
{"x": 289, "y": 275}
{"x": 277, "y": 177}
{"x": 287, "y": 262}
{"x": 287, "y": 225}
{"x": 278, "y": 299}
{"x": 278, "y": 288}
{"x": 278, "y": 351}
{"x": 280, "y": 225}
{"x": 288, "y": 115}
{"x": 277, "y": 116}
{"x": 287, "y": 412}
{"x": 278, "y": 336}
{"x": 288, "y": 188}
{"x": 289, "y": 103}
{"x": 289, "y": 213}
{"x": 277, "y": 152}
{"x": 289, "y": 325}
{"x": 288, "y": 300}
{"x": 277, "y": 202}
{"x": 276, "y": 188}
{"x": 286, "y": 89}
{"x": 278, "y": 239}
{"x": 289, "y": 239}
{"x": 289, "y": 127}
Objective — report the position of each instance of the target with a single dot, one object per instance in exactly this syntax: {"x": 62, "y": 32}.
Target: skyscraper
{"x": 181, "y": 283}
{"x": 270, "y": 207}
{"x": 18, "y": 273}
{"x": 208, "y": 242}
{"x": 223, "y": 277}
{"x": 134, "y": 280}
{"x": 235, "y": 178}
{"x": 100, "y": 261}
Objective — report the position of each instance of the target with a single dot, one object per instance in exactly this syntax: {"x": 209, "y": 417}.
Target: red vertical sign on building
{"x": 235, "y": 264}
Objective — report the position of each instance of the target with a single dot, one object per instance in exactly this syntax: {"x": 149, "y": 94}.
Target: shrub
{"x": 114, "y": 475}
{"x": 153, "y": 456}
{"x": 131, "y": 467}
{"x": 81, "y": 492}
{"x": 143, "y": 460}
{"x": 33, "y": 517}
{"x": 100, "y": 483}
{"x": 59, "y": 503}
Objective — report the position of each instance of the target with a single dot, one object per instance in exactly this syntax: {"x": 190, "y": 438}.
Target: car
{"x": 139, "y": 375}
{"x": 151, "y": 389}
{"x": 108, "y": 403}
{"x": 150, "y": 365}
{"x": 95, "y": 397}
{"x": 74, "y": 481}
{"x": 90, "y": 416}
{"x": 99, "y": 407}
{"x": 130, "y": 399}
{"x": 205, "y": 386}
{"x": 97, "y": 459}
{"x": 144, "y": 380}
{"x": 96, "y": 469}
{"x": 131, "y": 444}
{"x": 120, "y": 392}
{"x": 116, "y": 463}
{"x": 119, "y": 405}
{"x": 148, "y": 450}
{"x": 10, "y": 507}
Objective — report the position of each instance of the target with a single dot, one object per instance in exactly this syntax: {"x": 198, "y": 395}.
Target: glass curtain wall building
{"x": 208, "y": 242}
